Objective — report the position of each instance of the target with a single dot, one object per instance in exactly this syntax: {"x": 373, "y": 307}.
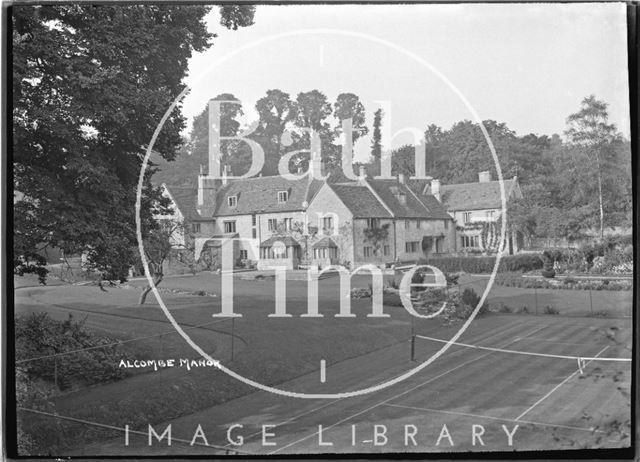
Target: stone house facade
{"x": 273, "y": 221}
{"x": 477, "y": 210}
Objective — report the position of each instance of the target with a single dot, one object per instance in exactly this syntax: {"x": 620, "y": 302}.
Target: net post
{"x": 413, "y": 347}
{"x": 232, "y": 335}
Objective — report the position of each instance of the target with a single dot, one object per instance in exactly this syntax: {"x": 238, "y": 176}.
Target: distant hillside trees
{"x": 581, "y": 182}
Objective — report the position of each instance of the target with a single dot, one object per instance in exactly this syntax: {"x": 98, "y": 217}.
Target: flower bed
{"x": 517, "y": 280}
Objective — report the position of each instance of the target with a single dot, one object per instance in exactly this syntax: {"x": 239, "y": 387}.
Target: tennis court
{"x": 544, "y": 374}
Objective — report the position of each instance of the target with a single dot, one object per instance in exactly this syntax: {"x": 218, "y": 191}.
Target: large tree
{"x": 348, "y": 106}
{"x": 376, "y": 141}
{"x": 90, "y": 84}
{"x": 590, "y": 129}
{"x": 276, "y": 111}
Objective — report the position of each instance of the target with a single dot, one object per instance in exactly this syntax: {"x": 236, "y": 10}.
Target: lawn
{"x": 614, "y": 304}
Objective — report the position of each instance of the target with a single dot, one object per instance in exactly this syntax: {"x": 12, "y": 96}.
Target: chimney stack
{"x": 401, "y": 178}
{"x": 224, "y": 176}
{"x": 206, "y": 195}
{"x": 435, "y": 188}
{"x": 362, "y": 172}
{"x": 484, "y": 177}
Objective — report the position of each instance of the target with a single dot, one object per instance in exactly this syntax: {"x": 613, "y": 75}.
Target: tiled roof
{"x": 260, "y": 195}
{"x": 359, "y": 200}
{"x": 185, "y": 199}
{"x": 414, "y": 206}
{"x": 476, "y": 196}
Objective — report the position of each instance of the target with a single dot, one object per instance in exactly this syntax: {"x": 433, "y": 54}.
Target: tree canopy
{"x": 90, "y": 84}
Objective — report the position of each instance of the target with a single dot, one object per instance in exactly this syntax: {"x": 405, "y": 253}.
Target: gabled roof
{"x": 414, "y": 206}
{"x": 360, "y": 201}
{"x": 325, "y": 242}
{"x": 477, "y": 196}
{"x": 260, "y": 195}
{"x": 185, "y": 199}
{"x": 288, "y": 241}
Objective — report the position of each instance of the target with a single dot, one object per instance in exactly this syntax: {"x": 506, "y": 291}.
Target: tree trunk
{"x": 147, "y": 289}
{"x": 600, "y": 197}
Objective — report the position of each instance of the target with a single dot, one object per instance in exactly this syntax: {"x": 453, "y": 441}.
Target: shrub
{"x": 39, "y": 335}
{"x": 503, "y": 308}
{"x": 360, "y": 292}
{"x": 549, "y": 309}
{"x": 471, "y": 298}
{"x": 525, "y": 310}
{"x": 547, "y": 267}
{"x": 484, "y": 265}
{"x": 393, "y": 284}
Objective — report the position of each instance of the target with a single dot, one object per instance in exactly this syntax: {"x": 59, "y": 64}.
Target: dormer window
{"x": 402, "y": 198}
{"x": 283, "y": 196}
{"x": 232, "y": 201}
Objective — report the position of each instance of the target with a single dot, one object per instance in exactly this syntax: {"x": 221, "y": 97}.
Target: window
{"x": 490, "y": 214}
{"x": 254, "y": 233}
{"x": 253, "y": 219}
{"x": 232, "y": 201}
{"x": 419, "y": 224}
{"x": 411, "y": 247}
{"x": 407, "y": 223}
{"x": 287, "y": 224}
{"x": 327, "y": 224}
{"x": 446, "y": 224}
{"x": 402, "y": 198}
{"x": 283, "y": 196}
{"x": 470, "y": 241}
{"x": 385, "y": 250}
{"x": 195, "y": 227}
{"x": 367, "y": 251}
{"x": 466, "y": 217}
{"x": 243, "y": 255}
{"x": 272, "y": 224}
{"x": 229, "y": 226}
{"x": 373, "y": 223}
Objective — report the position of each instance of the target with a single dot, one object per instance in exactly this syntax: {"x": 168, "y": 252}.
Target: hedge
{"x": 480, "y": 265}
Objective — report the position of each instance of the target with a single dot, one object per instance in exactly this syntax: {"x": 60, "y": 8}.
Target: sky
{"x": 527, "y": 65}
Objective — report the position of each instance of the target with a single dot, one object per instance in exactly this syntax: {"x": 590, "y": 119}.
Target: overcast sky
{"x": 526, "y": 65}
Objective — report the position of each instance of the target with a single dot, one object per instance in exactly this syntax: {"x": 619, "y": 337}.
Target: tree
{"x": 313, "y": 110}
{"x": 276, "y": 111}
{"x": 433, "y": 137}
{"x": 589, "y": 129}
{"x": 90, "y": 84}
{"x": 234, "y": 16}
{"x": 376, "y": 142}
{"x": 194, "y": 152}
{"x": 348, "y": 106}
{"x": 158, "y": 245}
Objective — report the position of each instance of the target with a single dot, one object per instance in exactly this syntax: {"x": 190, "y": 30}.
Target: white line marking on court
{"x": 503, "y": 419}
{"x": 529, "y": 353}
{"x": 556, "y": 387}
{"x": 311, "y": 411}
{"x": 304, "y": 438}
{"x": 323, "y": 371}
{"x": 551, "y": 340}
